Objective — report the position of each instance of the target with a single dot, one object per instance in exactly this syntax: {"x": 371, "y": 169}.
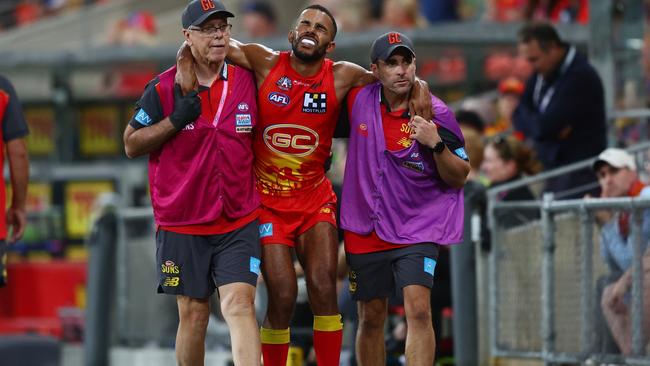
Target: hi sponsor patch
{"x": 243, "y": 123}
{"x": 315, "y": 103}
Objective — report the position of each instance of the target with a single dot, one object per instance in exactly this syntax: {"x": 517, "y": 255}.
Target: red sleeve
{"x": 352, "y": 96}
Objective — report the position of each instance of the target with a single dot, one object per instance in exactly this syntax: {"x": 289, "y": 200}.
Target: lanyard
{"x": 546, "y": 99}
{"x": 224, "y": 93}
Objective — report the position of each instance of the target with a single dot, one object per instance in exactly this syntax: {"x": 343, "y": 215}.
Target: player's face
{"x": 397, "y": 73}
{"x": 541, "y": 61}
{"x": 311, "y": 40}
{"x": 615, "y": 182}
{"x": 495, "y": 168}
{"x": 209, "y": 43}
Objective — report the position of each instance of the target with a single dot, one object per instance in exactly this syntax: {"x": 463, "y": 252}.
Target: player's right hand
{"x": 187, "y": 108}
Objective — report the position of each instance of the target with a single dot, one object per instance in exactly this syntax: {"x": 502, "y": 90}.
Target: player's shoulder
{"x": 346, "y": 67}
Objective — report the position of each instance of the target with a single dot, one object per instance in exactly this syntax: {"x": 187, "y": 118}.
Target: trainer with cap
{"x": 199, "y": 141}
{"x": 617, "y": 176}
{"x": 402, "y": 199}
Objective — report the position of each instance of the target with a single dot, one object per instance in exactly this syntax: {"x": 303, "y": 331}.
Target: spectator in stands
{"x": 562, "y": 109}
{"x": 569, "y": 11}
{"x": 510, "y": 90}
{"x": 259, "y": 20}
{"x": 28, "y": 11}
{"x": 138, "y": 28}
{"x": 505, "y": 160}
{"x": 474, "y": 146}
{"x": 403, "y": 14}
{"x": 470, "y": 120}
{"x": 440, "y": 10}
{"x": 14, "y": 129}
{"x": 505, "y": 11}
{"x": 617, "y": 177}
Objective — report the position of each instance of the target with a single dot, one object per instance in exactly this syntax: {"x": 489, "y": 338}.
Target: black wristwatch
{"x": 439, "y": 148}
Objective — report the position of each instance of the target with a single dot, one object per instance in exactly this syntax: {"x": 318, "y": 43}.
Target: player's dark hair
{"x": 329, "y": 14}
{"x": 542, "y": 32}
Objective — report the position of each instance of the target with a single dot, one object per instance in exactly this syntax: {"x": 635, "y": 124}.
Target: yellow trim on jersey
{"x": 274, "y": 336}
{"x": 328, "y": 323}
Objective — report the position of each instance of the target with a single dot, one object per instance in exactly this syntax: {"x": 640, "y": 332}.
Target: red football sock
{"x": 275, "y": 346}
{"x": 328, "y": 334}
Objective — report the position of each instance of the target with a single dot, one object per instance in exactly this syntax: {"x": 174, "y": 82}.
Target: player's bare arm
{"x": 452, "y": 169}
{"x": 253, "y": 56}
{"x": 348, "y": 75}
{"x": 186, "y": 70}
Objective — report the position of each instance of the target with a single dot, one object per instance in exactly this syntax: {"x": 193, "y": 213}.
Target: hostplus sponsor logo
{"x": 315, "y": 103}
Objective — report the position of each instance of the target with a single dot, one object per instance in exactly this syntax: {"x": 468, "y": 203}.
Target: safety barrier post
{"x": 101, "y": 283}
{"x": 548, "y": 278}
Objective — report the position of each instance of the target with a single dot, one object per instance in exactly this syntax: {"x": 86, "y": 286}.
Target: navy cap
{"x": 385, "y": 45}
{"x": 198, "y": 11}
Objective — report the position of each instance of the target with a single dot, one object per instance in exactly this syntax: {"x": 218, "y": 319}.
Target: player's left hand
{"x": 16, "y": 222}
{"x": 425, "y": 132}
{"x": 420, "y": 101}
{"x": 185, "y": 70}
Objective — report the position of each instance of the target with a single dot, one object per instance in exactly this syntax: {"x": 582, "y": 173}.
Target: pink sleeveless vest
{"x": 204, "y": 170}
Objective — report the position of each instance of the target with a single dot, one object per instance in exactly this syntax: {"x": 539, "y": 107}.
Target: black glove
{"x": 186, "y": 108}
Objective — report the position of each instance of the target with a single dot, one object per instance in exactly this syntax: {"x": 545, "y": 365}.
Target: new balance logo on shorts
{"x": 266, "y": 230}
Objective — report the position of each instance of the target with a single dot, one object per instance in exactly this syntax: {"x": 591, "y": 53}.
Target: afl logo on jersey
{"x": 243, "y": 107}
{"x": 279, "y": 99}
{"x": 284, "y": 83}
{"x": 288, "y": 139}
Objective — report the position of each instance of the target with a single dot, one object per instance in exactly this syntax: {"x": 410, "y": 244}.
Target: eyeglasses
{"x": 212, "y": 31}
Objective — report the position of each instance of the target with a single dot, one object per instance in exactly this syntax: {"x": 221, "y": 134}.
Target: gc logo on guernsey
{"x": 291, "y": 139}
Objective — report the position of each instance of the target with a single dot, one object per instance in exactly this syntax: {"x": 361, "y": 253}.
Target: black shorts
{"x": 384, "y": 274}
{"x": 3, "y": 263}
{"x": 194, "y": 265}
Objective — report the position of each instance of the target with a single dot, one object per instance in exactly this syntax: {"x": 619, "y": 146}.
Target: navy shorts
{"x": 3, "y": 263}
{"x": 384, "y": 274}
{"x": 194, "y": 265}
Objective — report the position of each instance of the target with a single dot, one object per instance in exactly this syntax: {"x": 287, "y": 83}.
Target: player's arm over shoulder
{"x": 348, "y": 75}
{"x": 252, "y": 56}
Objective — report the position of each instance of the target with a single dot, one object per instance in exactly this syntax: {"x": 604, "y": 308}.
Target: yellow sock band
{"x": 328, "y": 323}
{"x": 274, "y": 336}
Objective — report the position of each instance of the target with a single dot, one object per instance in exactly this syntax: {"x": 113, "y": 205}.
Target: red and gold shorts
{"x": 283, "y": 219}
